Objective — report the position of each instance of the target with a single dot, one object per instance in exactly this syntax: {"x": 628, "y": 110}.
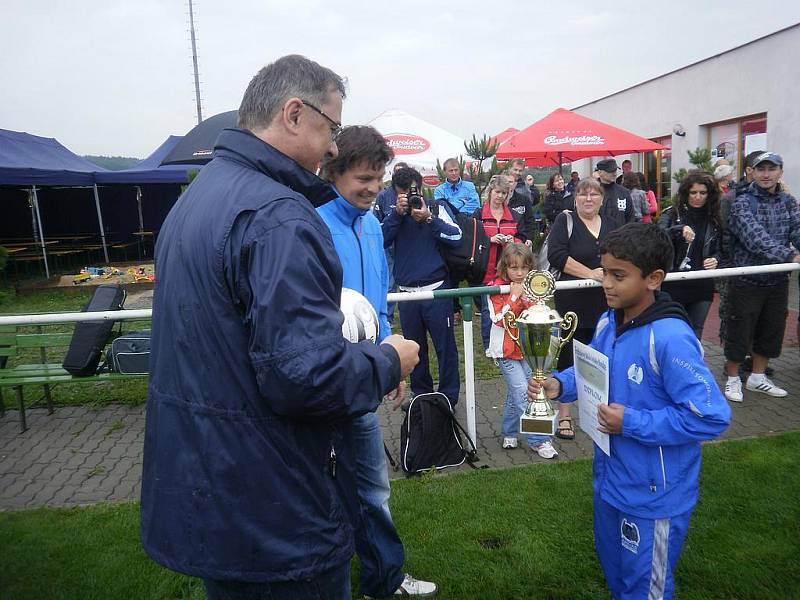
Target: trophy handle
{"x": 510, "y": 325}
{"x": 569, "y": 324}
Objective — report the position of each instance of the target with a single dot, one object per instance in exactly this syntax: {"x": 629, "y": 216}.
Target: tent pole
{"x": 139, "y": 206}
{"x": 41, "y": 231}
{"x": 100, "y": 221}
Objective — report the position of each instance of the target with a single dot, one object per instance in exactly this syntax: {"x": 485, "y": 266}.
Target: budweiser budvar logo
{"x": 577, "y": 140}
{"x": 404, "y": 143}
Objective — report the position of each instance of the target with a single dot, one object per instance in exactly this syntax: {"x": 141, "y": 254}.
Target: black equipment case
{"x": 90, "y": 337}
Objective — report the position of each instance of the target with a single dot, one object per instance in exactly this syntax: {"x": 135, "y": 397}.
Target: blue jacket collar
{"x": 241, "y": 145}
{"x": 344, "y": 211}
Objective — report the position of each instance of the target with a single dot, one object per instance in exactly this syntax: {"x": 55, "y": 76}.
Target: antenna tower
{"x": 194, "y": 62}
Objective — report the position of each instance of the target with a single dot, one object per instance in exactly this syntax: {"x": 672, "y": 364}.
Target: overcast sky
{"x": 114, "y": 77}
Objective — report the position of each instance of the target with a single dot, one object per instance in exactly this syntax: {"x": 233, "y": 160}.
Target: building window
{"x": 658, "y": 168}
{"x": 733, "y": 140}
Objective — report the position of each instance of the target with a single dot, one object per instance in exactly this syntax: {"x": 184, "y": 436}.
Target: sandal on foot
{"x": 565, "y": 433}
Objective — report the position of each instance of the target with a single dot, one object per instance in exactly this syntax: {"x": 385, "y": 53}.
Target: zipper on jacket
{"x": 332, "y": 462}
{"x": 360, "y": 253}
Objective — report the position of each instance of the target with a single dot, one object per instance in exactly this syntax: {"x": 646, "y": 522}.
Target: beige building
{"x": 736, "y": 102}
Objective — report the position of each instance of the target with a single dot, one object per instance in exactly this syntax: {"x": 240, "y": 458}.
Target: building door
{"x": 658, "y": 168}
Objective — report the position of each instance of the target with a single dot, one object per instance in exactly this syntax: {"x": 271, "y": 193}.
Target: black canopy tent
{"x": 54, "y": 181}
{"x": 33, "y": 162}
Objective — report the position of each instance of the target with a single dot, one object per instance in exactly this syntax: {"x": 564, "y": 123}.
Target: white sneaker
{"x": 733, "y": 390}
{"x": 546, "y": 450}
{"x": 416, "y": 587}
{"x": 765, "y": 386}
{"x": 509, "y": 442}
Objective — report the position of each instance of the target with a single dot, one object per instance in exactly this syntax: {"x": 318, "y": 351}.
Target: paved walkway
{"x": 80, "y": 456}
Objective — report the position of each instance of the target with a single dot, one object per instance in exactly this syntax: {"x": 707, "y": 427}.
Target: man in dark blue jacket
{"x": 248, "y": 476}
{"x": 416, "y": 233}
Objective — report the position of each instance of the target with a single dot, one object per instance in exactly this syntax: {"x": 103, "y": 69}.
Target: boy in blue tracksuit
{"x": 663, "y": 401}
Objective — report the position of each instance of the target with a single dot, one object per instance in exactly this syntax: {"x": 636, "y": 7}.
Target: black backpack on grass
{"x": 431, "y": 436}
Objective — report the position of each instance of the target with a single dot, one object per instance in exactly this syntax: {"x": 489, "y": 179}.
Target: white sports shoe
{"x": 509, "y": 442}
{"x": 765, "y": 386}
{"x": 416, "y": 587}
{"x": 733, "y": 390}
{"x": 546, "y": 450}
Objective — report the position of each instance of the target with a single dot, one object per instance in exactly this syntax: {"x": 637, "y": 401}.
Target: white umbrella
{"x": 417, "y": 143}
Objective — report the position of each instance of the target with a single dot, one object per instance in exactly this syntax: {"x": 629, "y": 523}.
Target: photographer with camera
{"x": 415, "y": 229}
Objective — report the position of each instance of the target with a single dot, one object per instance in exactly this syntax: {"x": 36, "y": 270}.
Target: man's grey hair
{"x": 288, "y": 77}
{"x": 450, "y": 161}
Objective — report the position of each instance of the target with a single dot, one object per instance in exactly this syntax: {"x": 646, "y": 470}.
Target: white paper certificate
{"x": 591, "y": 379}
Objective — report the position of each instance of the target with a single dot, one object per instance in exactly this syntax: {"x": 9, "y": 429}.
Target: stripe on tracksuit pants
{"x": 638, "y": 555}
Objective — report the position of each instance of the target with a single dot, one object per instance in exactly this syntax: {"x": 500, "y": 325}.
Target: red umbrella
{"x": 504, "y": 135}
{"x": 566, "y": 136}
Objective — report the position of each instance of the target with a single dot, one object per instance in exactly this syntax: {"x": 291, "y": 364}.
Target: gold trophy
{"x": 540, "y": 333}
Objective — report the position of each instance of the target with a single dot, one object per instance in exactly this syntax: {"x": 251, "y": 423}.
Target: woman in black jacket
{"x": 558, "y": 198}
{"x": 573, "y": 247}
{"x": 694, "y": 225}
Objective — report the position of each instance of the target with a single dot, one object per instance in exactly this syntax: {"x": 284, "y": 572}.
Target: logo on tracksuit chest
{"x": 622, "y": 203}
{"x": 629, "y": 532}
{"x": 635, "y": 373}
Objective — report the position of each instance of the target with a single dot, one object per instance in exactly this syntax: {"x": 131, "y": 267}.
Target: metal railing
{"x": 466, "y": 295}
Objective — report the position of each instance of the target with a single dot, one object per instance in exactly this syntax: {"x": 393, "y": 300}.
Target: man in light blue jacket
{"x": 663, "y": 401}
{"x": 357, "y": 175}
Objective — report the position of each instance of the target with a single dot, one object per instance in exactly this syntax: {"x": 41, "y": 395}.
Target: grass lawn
{"x": 514, "y": 533}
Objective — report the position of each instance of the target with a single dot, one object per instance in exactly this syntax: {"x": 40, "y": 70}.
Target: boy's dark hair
{"x": 403, "y": 178}
{"x": 647, "y": 246}
{"x": 357, "y": 143}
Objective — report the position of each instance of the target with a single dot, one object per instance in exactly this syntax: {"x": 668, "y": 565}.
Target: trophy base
{"x": 545, "y": 425}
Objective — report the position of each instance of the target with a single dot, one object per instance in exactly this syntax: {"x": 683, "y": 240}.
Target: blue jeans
{"x": 333, "y": 584}
{"x": 698, "y": 311}
{"x": 377, "y": 543}
{"x": 516, "y": 374}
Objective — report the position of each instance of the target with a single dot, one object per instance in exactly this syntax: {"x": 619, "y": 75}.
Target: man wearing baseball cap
{"x": 617, "y": 206}
{"x": 764, "y": 223}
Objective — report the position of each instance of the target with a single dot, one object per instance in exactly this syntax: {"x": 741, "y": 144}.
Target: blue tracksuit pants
{"x": 434, "y": 317}
{"x": 638, "y": 555}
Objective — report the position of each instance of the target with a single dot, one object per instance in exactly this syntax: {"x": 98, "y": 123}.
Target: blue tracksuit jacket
{"x": 672, "y": 403}
{"x": 358, "y": 239}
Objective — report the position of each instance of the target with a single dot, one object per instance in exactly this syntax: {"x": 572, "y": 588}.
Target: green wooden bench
{"x": 45, "y": 372}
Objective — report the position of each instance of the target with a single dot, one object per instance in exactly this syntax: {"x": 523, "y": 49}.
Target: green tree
{"x": 700, "y": 158}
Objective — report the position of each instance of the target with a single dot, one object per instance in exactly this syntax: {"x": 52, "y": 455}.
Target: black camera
{"x": 414, "y": 197}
